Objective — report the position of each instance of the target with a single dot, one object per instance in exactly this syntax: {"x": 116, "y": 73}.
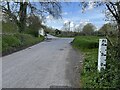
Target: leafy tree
{"x": 18, "y": 11}
{"x": 107, "y": 29}
{"x": 33, "y": 25}
{"x": 88, "y": 29}
{"x": 57, "y": 32}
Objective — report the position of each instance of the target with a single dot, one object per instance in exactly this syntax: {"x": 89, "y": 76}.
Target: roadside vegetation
{"x": 90, "y": 77}
{"x": 87, "y": 41}
{"x": 20, "y": 25}
{"x": 13, "y": 40}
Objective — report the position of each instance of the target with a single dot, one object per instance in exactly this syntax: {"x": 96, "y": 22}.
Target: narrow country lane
{"x": 49, "y": 63}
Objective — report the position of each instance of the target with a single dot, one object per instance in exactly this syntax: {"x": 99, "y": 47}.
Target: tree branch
{"x": 109, "y": 40}
{"x": 114, "y": 15}
{"x": 113, "y": 5}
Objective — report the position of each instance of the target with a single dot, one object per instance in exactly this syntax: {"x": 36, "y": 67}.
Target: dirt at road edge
{"x": 74, "y": 67}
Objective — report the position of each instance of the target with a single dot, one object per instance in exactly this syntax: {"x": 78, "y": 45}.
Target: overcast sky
{"x": 73, "y": 12}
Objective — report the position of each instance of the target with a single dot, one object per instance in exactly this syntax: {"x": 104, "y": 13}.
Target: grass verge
{"x": 88, "y": 45}
{"x": 90, "y": 77}
{"x": 16, "y": 42}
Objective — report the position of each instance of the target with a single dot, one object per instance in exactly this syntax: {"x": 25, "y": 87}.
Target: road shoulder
{"x": 74, "y": 66}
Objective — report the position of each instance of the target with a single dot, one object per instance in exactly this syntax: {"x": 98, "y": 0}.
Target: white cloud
{"x": 84, "y": 22}
{"x": 49, "y": 17}
{"x": 66, "y": 21}
{"x": 94, "y": 17}
{"x": 74, "y": 25}
{"x": 64, "y": 13}
{"x": 77, "y": 25}
{"x": 71, "y": 24}
{"x": 90, "y": 5}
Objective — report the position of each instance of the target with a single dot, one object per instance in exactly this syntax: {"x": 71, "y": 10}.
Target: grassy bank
{"x": 88, "y": 45}
{"x": 90, "y": 77}
{"x": 15, "y": 42}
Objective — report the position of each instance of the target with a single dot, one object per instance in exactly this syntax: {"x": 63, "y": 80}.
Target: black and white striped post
{"x": 102, "y": 54}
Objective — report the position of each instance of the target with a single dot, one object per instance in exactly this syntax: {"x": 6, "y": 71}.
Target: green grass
{"x": 86, "y": 42}
{"x": 89, "y": 47}
{"x": 10, "y": 42}
{"x": 90, "y": 77}
{"x": 9, "y": 27}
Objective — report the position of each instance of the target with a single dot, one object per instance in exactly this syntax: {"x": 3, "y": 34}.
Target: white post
{"x": 102, "y": 54}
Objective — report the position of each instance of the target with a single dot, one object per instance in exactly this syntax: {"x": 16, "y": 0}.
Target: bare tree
{"x": 18, "y": 11}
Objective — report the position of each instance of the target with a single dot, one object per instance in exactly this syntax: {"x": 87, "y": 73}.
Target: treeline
{"x": 89, "y": 29}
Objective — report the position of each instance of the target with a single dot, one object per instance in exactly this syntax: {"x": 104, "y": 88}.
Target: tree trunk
{"x": 22, "y": 16}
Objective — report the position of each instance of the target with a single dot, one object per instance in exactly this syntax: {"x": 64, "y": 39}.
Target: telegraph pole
{"x": 69, "y": 25}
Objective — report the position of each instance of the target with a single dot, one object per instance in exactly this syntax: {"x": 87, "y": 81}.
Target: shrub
{"x": 9, "y": 41}
{"x": 9, "y": 27}
{"x": 32, "y": 32}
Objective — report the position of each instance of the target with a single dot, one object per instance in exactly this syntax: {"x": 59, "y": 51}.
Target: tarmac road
{"x": 49, "y": 63}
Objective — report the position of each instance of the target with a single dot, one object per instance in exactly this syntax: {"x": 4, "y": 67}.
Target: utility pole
{"x": 69, "y": 25}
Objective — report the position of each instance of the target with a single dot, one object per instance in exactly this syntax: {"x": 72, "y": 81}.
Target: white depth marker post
{"x": 102, "y": 54}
